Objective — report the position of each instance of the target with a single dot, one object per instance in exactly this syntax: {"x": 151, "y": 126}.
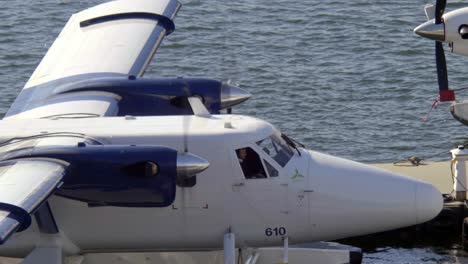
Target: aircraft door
{"x": 260, "y": 186}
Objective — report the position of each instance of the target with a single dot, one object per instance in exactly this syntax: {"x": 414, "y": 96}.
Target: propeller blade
{"x": 435, "y": 30}
{"x": 441, "y": 66}
{"x": 439, "y": 10}
{"x": 198, "y": 107}
{"x": 429, "y": 10}
{"x": 442, "y": 77}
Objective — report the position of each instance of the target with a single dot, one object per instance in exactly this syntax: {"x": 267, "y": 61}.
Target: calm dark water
{"x": 344, "y": 77}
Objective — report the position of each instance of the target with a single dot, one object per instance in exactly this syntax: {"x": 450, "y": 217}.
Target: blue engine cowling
{"x": 150, "y": 97}
{"x": 113, "y": 175}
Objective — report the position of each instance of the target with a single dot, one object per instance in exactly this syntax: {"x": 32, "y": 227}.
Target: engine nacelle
{"x": 116, "y": 175}
{"x": 162, "y": 96}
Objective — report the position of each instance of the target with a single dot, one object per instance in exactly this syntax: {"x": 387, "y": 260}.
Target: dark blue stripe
{"x": 17, "y": 213}
{"x": 33, "y": 97}
{"x": 166, "y": 22}
{"x": 140, "y": 97}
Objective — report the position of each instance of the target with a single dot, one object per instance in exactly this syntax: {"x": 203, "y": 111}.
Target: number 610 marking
{"x": 277, "y": 231}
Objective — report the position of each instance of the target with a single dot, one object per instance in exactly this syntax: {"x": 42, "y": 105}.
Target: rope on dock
{"x": 413, "y": 160}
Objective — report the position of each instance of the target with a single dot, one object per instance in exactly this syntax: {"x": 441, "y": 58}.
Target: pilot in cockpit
{"x": 250, "y": 163}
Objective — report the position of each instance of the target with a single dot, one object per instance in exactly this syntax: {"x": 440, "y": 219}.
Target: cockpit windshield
{"x": 276, "y": 148}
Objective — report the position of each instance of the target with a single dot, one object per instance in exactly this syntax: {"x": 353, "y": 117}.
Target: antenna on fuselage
{"x": 186, "y": 118}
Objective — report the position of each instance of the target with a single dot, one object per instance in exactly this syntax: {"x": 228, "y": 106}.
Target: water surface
{"x": 344, "y": 77}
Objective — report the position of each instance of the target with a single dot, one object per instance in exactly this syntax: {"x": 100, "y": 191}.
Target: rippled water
{"x": 344, "y": 77}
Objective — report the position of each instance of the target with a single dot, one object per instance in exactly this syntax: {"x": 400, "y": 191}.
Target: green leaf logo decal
{"x": 297, "y": 176}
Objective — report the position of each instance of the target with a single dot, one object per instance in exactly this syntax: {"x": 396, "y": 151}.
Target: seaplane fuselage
{"x": 302, "y": 194}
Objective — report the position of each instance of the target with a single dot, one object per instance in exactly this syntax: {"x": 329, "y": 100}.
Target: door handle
{"x": 308, "y": 191}
{"x": 238, "y": 184}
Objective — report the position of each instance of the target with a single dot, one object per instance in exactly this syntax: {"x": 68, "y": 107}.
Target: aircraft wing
{"x": 115, "y": 39}
{"x": 24, "y": 186}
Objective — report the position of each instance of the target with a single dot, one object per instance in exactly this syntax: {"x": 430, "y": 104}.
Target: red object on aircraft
{"x": 447, "y": 95}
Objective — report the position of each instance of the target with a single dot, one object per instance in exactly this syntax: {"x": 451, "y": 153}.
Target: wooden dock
{"x": 436, "y": 173}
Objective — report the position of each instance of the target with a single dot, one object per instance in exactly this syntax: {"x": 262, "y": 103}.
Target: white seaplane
{"x": 451, "y": 28}
{"x": 95, "y": 158}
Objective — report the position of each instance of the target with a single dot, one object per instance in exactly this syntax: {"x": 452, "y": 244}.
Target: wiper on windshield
{"x": 293, "y": 143}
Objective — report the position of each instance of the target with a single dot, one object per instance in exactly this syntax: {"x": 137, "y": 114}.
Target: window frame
{"x": 263, "y": 156}
{"x": 272, "y": 165}
{"x": 276, "y": 133}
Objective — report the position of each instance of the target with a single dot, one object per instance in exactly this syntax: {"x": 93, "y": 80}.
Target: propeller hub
{"x": 232, "y": 95}
{"x": 189, "y": 164}
{"x": 431, "y": 30}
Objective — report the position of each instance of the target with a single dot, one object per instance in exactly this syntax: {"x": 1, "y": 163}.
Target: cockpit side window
{"x": 271, "y": 170}
{"x": 276, "y": 148}
{"x": 250, "y": 163}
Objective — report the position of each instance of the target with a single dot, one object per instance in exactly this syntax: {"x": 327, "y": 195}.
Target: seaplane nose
{"x": 370, "y": 199}
{"x": 428, "y": 201}
{"x": 431, "y": 30}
